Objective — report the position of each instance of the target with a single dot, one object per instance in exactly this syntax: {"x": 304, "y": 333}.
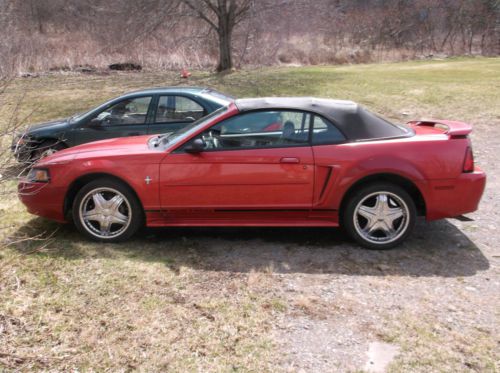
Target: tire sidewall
{"x": 360, "y": 194}
{"x": 137, "y": 214}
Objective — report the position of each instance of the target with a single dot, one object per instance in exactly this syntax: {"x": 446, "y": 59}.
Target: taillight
{"x": 468, "y": 161}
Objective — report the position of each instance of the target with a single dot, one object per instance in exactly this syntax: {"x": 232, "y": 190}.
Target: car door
{"x": 243, "y": 166}
{"x": 173, "y": 112}
{"x": 127, "y": 117}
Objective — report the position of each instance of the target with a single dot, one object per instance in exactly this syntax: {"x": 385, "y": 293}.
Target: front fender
{"x": 140, "y": 175}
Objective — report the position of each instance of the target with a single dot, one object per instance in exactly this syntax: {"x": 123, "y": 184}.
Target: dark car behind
{"x": 151, "y": 111}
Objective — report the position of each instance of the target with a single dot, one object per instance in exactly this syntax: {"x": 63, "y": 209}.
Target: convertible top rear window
{"x": 364, "y": 125}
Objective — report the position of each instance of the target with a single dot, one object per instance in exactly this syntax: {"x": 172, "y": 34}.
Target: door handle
{"x": 289, "y": 160}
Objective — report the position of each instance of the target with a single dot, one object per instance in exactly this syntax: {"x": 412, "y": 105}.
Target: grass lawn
{"x": 187, "y": 300}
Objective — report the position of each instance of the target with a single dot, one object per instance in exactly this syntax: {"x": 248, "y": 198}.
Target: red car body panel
{"x": 241, "y": 179}
{"x": 294, "y": 186}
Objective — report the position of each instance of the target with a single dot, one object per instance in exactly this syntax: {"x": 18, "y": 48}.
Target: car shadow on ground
{"x": 434, "y": 249}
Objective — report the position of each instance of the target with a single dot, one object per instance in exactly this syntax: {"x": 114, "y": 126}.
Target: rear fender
{"x": 368, "y": 169}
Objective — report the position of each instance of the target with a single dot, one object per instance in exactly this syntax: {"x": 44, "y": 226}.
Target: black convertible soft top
{"x": 355, "y": 122}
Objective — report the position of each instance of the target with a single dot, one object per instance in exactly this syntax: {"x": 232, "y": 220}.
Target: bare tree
{"x": 222, "y": 16}
{"x": 10, "y": 127}
{"x": 66, "y": 34}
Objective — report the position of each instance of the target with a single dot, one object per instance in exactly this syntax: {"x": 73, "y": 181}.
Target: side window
{"x": 262, "y": 129}
{"x": 126, "y": 112}
{"x": 178, "y": 109}
{"x": 325, "y": 132}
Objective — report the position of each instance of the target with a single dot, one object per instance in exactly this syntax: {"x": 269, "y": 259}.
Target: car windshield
{"x": 77, "y": 116}
{"x": 171, "y": 137}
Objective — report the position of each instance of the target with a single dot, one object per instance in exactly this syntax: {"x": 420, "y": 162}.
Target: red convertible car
{"x": 265, "y": 162}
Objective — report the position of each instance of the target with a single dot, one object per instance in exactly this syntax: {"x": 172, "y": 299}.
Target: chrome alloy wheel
{"x": 381, "y": 217}
{"x": 105, "y": 213}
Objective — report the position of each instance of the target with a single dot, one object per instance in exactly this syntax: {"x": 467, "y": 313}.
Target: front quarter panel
{"x": 140, "y": 172}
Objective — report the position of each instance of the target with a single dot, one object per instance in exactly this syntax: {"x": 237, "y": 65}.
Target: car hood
{"x": 47, "y": 125}
{"x": 103, "y": 148}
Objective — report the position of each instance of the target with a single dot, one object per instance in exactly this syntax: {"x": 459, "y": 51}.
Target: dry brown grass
{"x": 453, "y": 351}
{"x": 78, "y": 306}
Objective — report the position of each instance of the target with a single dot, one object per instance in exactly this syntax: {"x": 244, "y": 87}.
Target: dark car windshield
{"x": 78, "y": 116}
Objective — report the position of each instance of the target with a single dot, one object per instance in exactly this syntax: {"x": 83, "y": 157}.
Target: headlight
{"x": 22, "y": 142}
{"x": 38, "y": 175}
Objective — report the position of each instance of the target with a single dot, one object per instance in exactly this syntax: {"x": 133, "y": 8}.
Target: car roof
{"x": 210, "y": 94}
{"x": 353, "y": 120}
{"x": 178, "y": 89}
{"x": 159, "y": 90}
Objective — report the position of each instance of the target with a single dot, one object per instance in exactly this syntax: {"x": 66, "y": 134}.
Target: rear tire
{"x": 106, "y": 210}
{"x": 379, "y": 216}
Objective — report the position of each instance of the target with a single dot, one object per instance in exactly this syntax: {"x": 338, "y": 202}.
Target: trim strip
{"x": 245, "y": 210}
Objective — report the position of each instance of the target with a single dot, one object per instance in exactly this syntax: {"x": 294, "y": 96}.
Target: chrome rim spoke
{"x": 389, "y": 230}
{"x": 105, "y": 226}
{"x": 367, "y": 212}
{"x": 92, "y": 215}
{"x": 115, "y": 202}
{"x": 370, "y": 228}
{"x": 119, "y": 218}
{"x": 381, "y": 204}
{"x": 99, "y": 200}
{"x": 393, "y": 214}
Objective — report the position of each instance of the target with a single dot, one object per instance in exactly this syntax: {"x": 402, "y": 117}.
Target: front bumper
{"x": 22, "y": 147}
{"x": 42, "y": 199}
{"x": 451, "y": 198}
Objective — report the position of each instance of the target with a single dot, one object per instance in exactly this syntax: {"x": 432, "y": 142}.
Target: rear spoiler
{"x": 450, "y": 127}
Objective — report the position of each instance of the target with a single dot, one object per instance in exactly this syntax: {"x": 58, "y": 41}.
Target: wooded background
{"x": 41, "y": 35}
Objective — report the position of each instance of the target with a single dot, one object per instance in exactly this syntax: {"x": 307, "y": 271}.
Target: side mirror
{"x": 95, "y": 123}
{"x": 197, "y": 146}
{"x": 191, "y": 119}
{"x": 102, "y": 118}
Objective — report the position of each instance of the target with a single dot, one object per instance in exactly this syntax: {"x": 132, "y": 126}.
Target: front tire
{"x": 107, "y": 210}
{"x": 379, "y": 216}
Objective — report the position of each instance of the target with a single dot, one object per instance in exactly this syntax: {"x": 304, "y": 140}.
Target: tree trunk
{"x": 225, "y": 57}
